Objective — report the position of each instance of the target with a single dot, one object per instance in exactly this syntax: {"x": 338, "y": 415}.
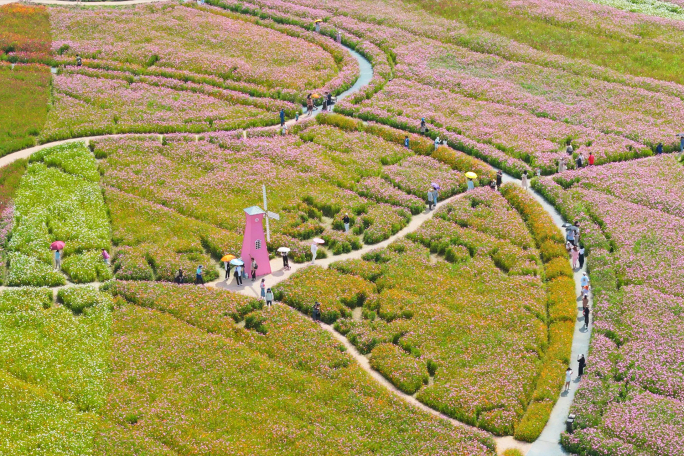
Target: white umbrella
{"x": 318, "y": 241}
{"x": 237, "y": 262}
{"x": 284, "y": 250}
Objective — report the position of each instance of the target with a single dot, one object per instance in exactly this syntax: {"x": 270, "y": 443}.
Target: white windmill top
{"x": 254, "y": 210}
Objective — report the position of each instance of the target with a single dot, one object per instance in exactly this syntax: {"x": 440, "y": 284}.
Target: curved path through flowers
{"x": 547, "y": 444}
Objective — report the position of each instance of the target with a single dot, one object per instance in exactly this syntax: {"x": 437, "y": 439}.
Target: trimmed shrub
{"x": 558, "y": 267}
{"x": 533, "y": 421}
{"x": 25, "y": 270}
{"x": 561, "y": 300}
{"x": 77, "y": 299}
{"x": 403, "y": 370}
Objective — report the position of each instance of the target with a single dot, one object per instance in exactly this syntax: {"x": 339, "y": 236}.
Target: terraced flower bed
{"x": 635, "y": 255}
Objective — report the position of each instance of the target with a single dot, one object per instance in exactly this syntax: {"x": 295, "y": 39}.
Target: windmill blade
{"x": 272, "y": 215}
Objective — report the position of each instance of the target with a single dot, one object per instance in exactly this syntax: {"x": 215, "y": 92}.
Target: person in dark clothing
{"x": 585, "y": 302}
{"x": 324, "y": 108}
{"x": 492, "y": 185}
{"x": 255, "y": 266}
{"x": 179, "y": 276}
{"x": 286, "y": 262}
{"x": 328, "y": 97}
{"x": 346, "y": 222}
{"x": 238, "y": 275}
{"x": 581, "y": 256}
{"x": 423, "y": 127}
{"x": 282, "y": 117}
{"x": 79, "y": 62}
{"x": 227, "y": 270}
{"x": 406, "y": 142}
{"x": 499, "y": 179}
{"x": 585, "y": 311}
{"x": 582, "y": 364}
{"x": 316, "y": 313}
{"x": 659, "y": 149}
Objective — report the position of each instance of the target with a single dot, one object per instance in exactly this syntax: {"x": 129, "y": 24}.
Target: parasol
{"x": 284, "y": 250}
{"x": 57, "y": 245}
{"x": 228, "y": 257}
{"x": 318, "y": 241}
{"x": 237, "y": 262}
{"x": 471, "y": 175}
{"x": 435, "y": 186}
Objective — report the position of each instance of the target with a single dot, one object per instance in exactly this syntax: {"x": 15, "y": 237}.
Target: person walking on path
{"x": 568, "y": 378}
{"x": 58, "y": 259}
{"x": 574, "y": 253}
{"x": 576, "y": 228}
{"x": 580, "y": 257}
{"x": 499, "y": 179}
{"x": 238, "y": 275}
{"x": 570, "y": 234}
{"x": 254, "y": 268}
{"x": 659, "y": 149}
{"x": 199, "y": 280}
{"x": 286, "y": 261}
{"x": 179, "y": 276}
{"x": 346, "y": 220}
{"x": 105, "y": 256}
{"x": 314, "y": 251}
{"x": 591, "y": 159}
{"x": 316, "y": 312}
{"x": 282, "y": 117}
{"x": 430, "y": 199}
{"x": 582, "y": 364}
{"x": 226, "y": 265}
{"x": 585, "y": 303}
{"x": 309, "y": 105}
{"x": 325, "y": 104}
{"x": 584, "y": 282}
{"x": 524, "y": 180}
{"x": 585, "y": 312}
{"x": 269, "y": 297}
{"x": 435, "y": 195}
{"x": 406, "y": 142}
{"x": 262, "y": 285}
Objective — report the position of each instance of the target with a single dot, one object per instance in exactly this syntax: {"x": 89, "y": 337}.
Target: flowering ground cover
{"x": 468, "y": 292}
{"x": 538, "y": 141}
{"x": 24, "y": 89}
{"x": 89, "y": 106}
{"x": 58, "y": 198}
{"x": 10, "y": 176}
{"x": 259, "y": 388}
{"x": 635, "y": 255}
{"x": 167, "y": 36}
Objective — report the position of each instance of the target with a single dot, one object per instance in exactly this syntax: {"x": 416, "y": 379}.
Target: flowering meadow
{"x": 466, "y": 293}
{"x": 181, "y": 38}
{"x": 59, "y": 199}
{"x": 322, "y": 173}
{"x": 629, "y": 213}
{"x": 187, "y": 376}
{"x": 24, "y": 89}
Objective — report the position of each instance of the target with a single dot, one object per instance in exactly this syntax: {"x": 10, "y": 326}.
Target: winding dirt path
{"x": 546, "y": 445}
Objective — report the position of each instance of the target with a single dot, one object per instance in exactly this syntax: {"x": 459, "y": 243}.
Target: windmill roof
{"x": 254, "y": 210}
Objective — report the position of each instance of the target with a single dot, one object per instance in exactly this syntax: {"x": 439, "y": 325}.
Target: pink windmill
{"x": 254, "y": 242}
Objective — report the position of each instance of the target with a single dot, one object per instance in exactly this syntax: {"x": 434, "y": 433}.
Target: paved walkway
{"x": 546, "y": 445}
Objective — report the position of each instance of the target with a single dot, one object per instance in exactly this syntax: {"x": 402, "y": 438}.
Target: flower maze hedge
{"x": 59, "y": 199}
{"x": 259, "y": 385}
{"x": 630, "y": 400}
{"x": 467, "y": 291}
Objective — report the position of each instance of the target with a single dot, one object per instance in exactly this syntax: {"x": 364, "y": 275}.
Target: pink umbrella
{"x": 318, "y": 241}
{"x": 57, "y": 245}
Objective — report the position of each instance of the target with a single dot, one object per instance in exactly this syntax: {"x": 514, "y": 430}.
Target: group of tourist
{"x": 327, "y": 103}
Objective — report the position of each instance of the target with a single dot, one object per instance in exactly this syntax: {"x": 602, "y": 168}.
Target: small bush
{"x": 77, "y": 299}
{"x": 512, "y": 452}
{"x": 558, "y": 267}
{"x": 403, "y": 370}
{"x": 561, "y": 302}
{"x": 551, "y": 249}
{"x": 86, "y": 267}
{"x": 256, "y": 322}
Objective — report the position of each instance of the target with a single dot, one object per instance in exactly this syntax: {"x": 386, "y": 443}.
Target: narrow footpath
{"x": 547, "y": 444}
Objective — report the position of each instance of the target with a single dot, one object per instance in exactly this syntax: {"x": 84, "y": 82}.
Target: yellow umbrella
{"x": 471, "y": 175}
{"x": 318, "y": 20}
{"x": 315, "y": 95}
{"x": 228, "y": 257}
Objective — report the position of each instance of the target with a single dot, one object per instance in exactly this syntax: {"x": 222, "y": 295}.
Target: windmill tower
{"x": 254, "y": 241}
